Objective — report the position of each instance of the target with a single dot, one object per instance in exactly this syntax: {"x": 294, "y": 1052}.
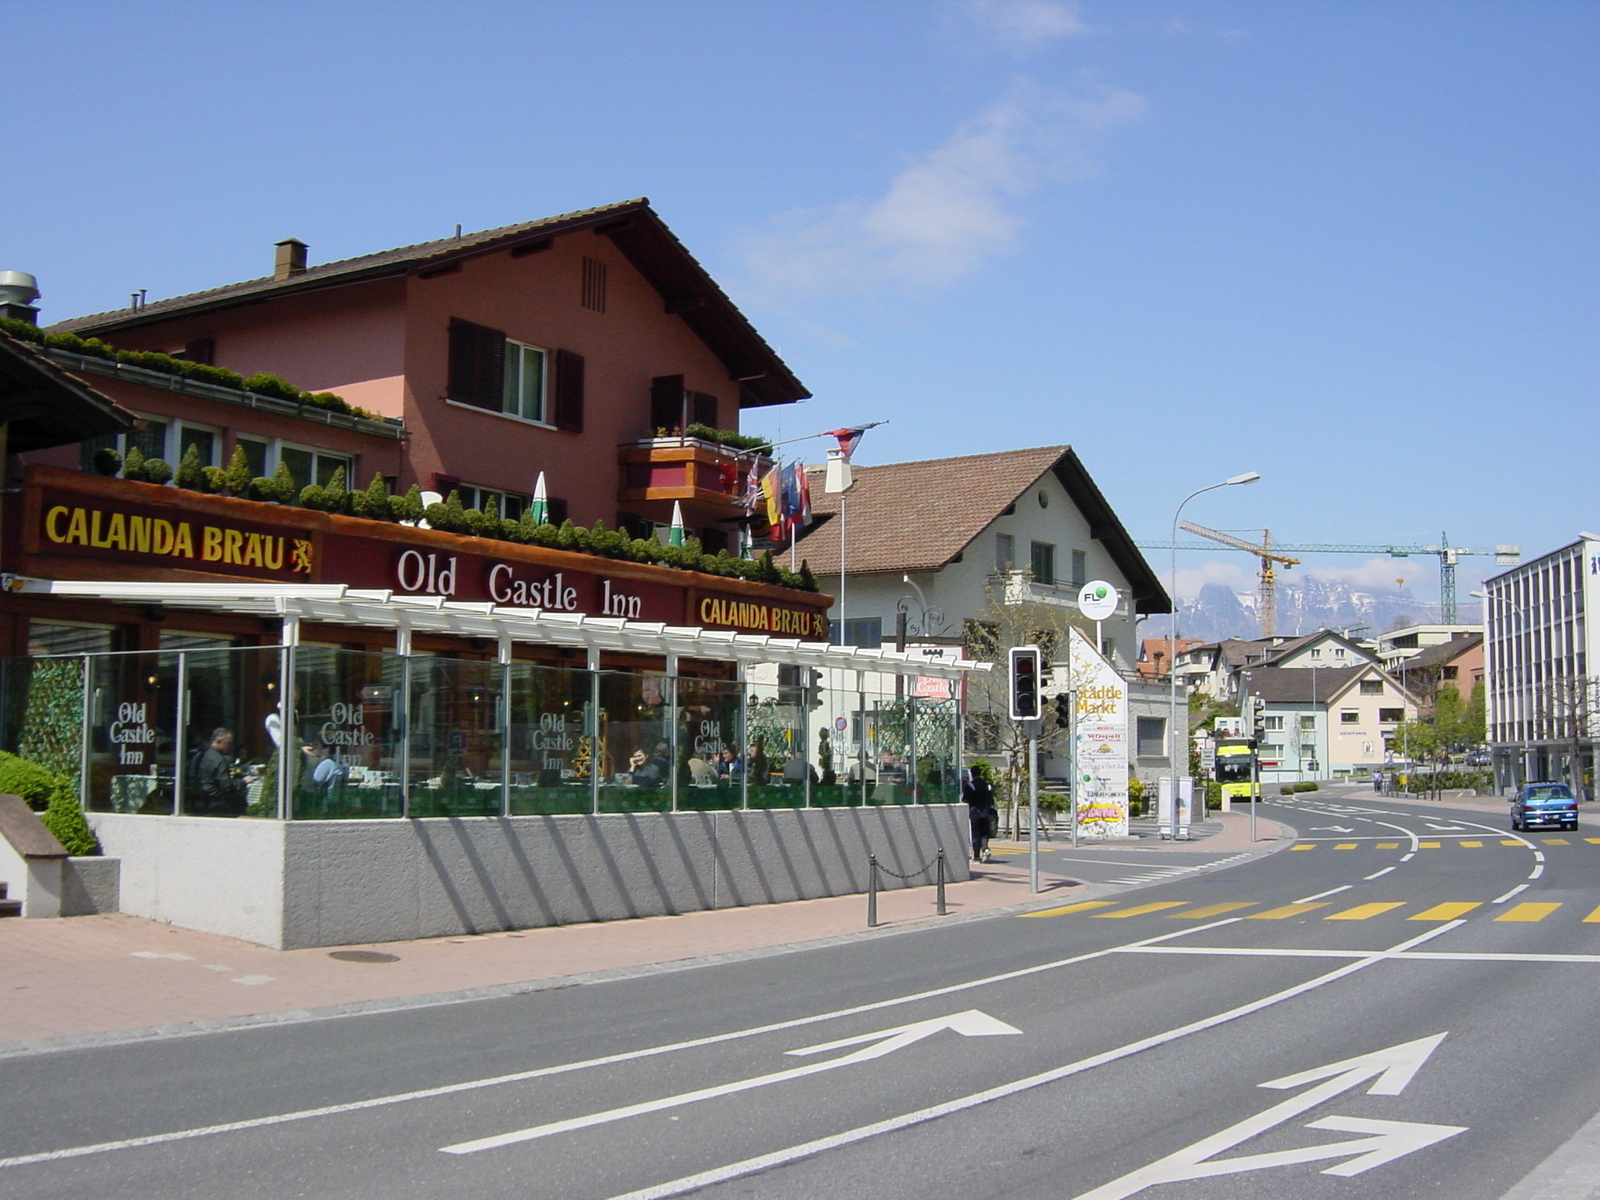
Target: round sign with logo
{"x": 1097, "y": 600}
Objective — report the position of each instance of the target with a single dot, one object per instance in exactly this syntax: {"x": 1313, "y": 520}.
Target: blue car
{"x": 1544, "y": 805}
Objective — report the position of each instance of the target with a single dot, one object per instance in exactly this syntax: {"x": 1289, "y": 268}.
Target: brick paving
{"x": 99, "y": 975}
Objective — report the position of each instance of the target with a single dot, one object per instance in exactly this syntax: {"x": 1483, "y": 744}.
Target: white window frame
{"x": 483, "y": 493}
{"x": 512, "y": 345}
{"x": 175, "y": 430}
{"x": 274, "y": 456}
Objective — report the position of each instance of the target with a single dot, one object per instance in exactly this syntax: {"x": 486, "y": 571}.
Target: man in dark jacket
{"x": 219, "y": 791}
{"x": 982, "y": 815}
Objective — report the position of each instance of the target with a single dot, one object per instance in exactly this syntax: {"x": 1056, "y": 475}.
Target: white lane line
{"x": 1416, "y": 955}
{"x": 471, "y": 1085}
{"x": 1329, "y": 892}
{"x": 1375, "y": 874}
{"x": 1536, "y": 872}
{"x": 765, "y": 1162}
{"x": 1408, "y": 857}
{"x": 1538, "y": 856}
{"x": 1521, "y": 887}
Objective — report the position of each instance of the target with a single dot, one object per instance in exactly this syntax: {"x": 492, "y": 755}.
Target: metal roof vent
{"x": 18, "y": 291}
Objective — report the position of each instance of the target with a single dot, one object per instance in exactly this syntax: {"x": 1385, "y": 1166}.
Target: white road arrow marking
{"x": 1390, "y": 1069}
{"x": 1445, "y": 828}
{"x": 971, "y": 1023}
{"x": 1333, "y": 828}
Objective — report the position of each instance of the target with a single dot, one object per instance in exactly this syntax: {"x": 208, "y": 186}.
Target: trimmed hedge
{"x": 260, "y": 384}
{"x": 52, "y": 795}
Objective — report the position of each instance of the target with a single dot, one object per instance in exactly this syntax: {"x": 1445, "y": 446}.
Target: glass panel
{"x": 709, "y": 736}
{"x": 203, "y": 439}
{"x": 92, "y": 446}
{"x": 44, "y": 713}
{"x": 133, "y": 733}
{"x": 550, "y": 740}
{"x": 230, "y": 744}
{"x": 889, "y": 733}
{"x": 346, "y": 745}
{"x": 299, "y": 464}
{"x": 776, "y": 748}
{"x": 936, "y": 754}
{"x": 456, "y": 736}
{"x": 635, "y": 752}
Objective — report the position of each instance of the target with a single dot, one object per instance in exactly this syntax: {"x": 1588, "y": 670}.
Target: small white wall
{"x": 34, "y": 881}
{"x": 219, "y": 876}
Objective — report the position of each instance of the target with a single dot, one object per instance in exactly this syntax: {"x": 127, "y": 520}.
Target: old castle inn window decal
{"x": 133, "y": 533}
{"x": 528, "y": 585}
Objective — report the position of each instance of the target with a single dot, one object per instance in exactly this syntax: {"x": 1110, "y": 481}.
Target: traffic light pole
{"x": 1033, "y": 807}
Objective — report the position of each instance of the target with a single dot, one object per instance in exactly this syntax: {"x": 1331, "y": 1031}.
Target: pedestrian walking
{"x": 983, "y": 818}
{"x": 1377, "y": 781}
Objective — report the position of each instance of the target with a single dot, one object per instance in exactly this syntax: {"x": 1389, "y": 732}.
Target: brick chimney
{"x": 291, "y": 259}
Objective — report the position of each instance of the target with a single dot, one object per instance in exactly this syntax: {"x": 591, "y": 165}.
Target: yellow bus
{"x": 1235, "y": 770}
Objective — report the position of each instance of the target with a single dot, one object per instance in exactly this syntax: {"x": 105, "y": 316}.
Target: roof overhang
{"x": 43, "y": 406}
{"x": 339, "y": 604}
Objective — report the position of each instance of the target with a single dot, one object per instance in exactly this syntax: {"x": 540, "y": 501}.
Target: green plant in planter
{"x": 107, "y": 461}
{"x": 235, "y": 477}
{"x": 63, "y": 816}
{"x": 276, "y": 489}
{"x": 34, "y": 783}
{"x": 192, "y": 472}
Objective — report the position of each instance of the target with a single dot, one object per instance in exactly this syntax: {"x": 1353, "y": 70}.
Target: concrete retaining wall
{"x": 91, "y": 885}
{"x": 325, "y": 883}
{"x": 219, "y": 876}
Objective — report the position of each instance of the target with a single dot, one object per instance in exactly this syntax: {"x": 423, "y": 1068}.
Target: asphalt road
{"x": 1398, "y": 1005}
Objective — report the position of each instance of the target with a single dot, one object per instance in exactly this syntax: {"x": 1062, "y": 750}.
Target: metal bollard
{"x": 872, "y": 891}
{"x": 940, "y": 893}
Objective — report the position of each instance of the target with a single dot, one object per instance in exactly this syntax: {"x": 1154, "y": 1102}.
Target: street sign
{"x": 1098, "y": 600}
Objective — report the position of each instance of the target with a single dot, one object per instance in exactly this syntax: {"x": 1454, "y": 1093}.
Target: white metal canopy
{"x": 339, "y": 604}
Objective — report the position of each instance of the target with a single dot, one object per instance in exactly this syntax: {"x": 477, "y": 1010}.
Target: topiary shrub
{"x": 156, "y": 470}
{"x": 63, "y": 816}
{"x": 107, "y": 461}
{"x": 35, "y": 784}
{"x": 235, "y": 477}
{"x": 192, "y": 472}
{"x": 278, "y": 489}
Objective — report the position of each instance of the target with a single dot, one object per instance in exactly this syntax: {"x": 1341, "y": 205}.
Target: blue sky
{"x": 1351, "y": 246}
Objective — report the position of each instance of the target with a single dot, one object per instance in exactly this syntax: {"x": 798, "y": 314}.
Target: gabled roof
{"x": 1292, "y": 685}
{"x": 917, "y": 516}
{"x": 43, "y": 406}
{"x": 685, "y": 286}
{"x": 1283, "y": 651}
{"x": 1443, "y": 654}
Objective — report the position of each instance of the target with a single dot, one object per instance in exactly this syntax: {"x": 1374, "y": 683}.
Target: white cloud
{"x": 948, "y": 212}
{"x": 1023, "y": 26}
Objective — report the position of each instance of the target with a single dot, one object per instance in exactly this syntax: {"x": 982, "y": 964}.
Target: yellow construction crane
{"x": 1267, "y": 602}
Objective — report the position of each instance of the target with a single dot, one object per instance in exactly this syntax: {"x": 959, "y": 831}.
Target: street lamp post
{"x": 1181, "y": 742}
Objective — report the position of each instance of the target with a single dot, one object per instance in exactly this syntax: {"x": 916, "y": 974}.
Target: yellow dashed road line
{"x": 1141, "y": 909}
{"x": 1471, "y": 845}
{"x": 1528, "y": 912}
{"x": 1387, "y": 846}
{"x": 1288, "y": 910}
{"x": 1362, "y": 911}
{"x": 1212, "y": 910}
{"x": 1427, "y": 845}
{"x": 1304, "y": 846}
{"x": 1345, "y": 846}
{"x": 1070, "y": 908}
{"x": 1446, "y": 912}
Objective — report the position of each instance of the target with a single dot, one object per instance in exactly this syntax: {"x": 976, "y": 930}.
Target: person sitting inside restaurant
{"x": 797, "y": 770}
{"x": 728, "y": 766}
{"x": 221, "y": 791}
{"x": 645, "y": 771}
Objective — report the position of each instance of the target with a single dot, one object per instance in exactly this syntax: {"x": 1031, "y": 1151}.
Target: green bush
{"x": 1286, "y": 789}
{"x": 1213, "y": 796}
{"x": 35, "y": 784}
{"x": 1306, "y": 785}
{"x": 63, "y": 816}
{"x": 727, "y": 437}
{"x": 107, "y": 461}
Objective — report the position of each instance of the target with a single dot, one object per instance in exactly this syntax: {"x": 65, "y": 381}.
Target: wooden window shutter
{"x": 705, "y": 410}
{"x": 445, "y": 484}
{"x": 477, "y": 365}
{"x": 569, "y": 391}
{"x": 666, "y": 403}
{"x": 556, "y": 511}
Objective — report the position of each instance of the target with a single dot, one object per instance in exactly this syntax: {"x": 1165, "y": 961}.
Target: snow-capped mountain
{"x": 1305, "y": 605}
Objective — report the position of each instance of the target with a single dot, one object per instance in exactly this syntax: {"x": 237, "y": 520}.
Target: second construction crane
{"x": 1267, "y": 604}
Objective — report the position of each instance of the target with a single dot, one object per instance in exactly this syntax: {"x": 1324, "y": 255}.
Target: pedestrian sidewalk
{"x": 103, "y": 977}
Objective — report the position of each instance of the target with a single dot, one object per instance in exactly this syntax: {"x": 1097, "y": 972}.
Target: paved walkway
{"x": 104, "y": 976}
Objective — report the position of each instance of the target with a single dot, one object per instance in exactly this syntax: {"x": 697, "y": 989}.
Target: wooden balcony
{"x": 684, "y": 468}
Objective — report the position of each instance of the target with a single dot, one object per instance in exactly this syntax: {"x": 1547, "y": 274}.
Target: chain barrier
{"x": 874, "y": 866}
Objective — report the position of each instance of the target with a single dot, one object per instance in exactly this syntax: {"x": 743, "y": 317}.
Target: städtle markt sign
{"x": 76, "y": 525}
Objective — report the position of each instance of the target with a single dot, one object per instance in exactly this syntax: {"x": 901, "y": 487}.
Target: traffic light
{"x": 1063, "y": 710}
{"x": 1025, "y": 662}
{"x": 1258, "y": 718}
{"x": 813, "y": 688}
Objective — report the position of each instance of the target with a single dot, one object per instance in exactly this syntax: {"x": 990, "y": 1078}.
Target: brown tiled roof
{"x": 687, "y": 289}
{"x": 1292, "y": 685}
{"x": 1442, "y": 654}
{"x": 917, "y": 516}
